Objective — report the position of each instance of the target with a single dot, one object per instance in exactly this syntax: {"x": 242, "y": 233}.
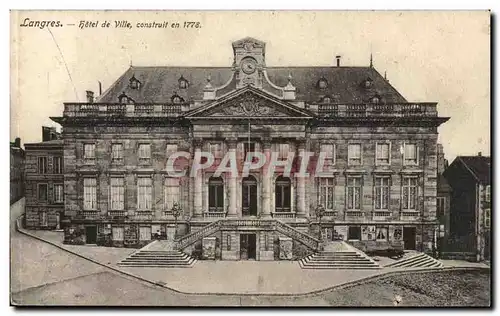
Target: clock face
{"x": 248, "y": 65}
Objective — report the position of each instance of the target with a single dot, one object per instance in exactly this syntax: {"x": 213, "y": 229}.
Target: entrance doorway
{"x": 409, "y": 234}
{"x": 249, "y": 196}
{"x": 248, "y": 246}
{"x": 91, "y": 234}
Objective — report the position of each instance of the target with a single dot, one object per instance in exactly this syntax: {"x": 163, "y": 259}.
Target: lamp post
{"x": 320, "y": 212}
{"x": 176, "y": 211}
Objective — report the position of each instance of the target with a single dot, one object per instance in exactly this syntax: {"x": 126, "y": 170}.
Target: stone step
{"x": 163, "y": 263}
{"x": 156, "y": 259}
{"x": 338, "y": 262}
{"x": 407, "y": 261}
{"x": 338, "y": 266}
{"x": 178, "y": 255}
{"x": 336, "y": 256}
{"x": 419, "y": 261}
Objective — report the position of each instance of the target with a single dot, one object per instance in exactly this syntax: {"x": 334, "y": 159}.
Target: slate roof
{"x": 479, "y": 166}
{"x": 345, "y": 84}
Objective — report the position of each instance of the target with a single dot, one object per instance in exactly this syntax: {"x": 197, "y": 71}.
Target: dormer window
{"x": 327, "y": 99}
{"x": 183, "y": 83}
{"x": 368, "y": 83}
{"x": 124, "y": 99}
{"x": 322, "y": 83}
{"x": 134, "y": 83}
{"x": 375, "y": 99}
{"x": 176, "y": 99}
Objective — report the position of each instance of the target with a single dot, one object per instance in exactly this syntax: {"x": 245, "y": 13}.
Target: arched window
{"x": 124, "y": 99}
{"x": 215, "y": 194}
{"x": 376, "y": 100}
{"x": 327, "y": 99}
{"x": 249, "y": 196}
{"x": 282, "y": 194}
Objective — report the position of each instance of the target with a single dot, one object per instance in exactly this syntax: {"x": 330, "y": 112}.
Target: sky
{"x": 440, "y": 56}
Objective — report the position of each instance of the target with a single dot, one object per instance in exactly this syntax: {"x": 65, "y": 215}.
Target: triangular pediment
{"x": 250, "y": 103}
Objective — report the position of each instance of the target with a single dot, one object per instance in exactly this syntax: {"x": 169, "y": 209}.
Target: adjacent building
{"x": 16, "y": 170}
{"x": 470, "y": 210}
{"x": 380, "y": 189}
{"x": 44, "y": 181}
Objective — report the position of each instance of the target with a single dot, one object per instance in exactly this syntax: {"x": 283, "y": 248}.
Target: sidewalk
{"x": 233, "y": 277}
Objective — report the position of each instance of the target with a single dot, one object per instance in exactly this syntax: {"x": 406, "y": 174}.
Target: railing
{"x": 146, "y": 215}
{"x": 378, "y": 110}
{"x": 381, "y": 214}
{"x": 126, "y": 110}
{"x": 305, "y": 239}
{"x": 283, "y": 215}
{"x": 117, "y": 213}
{"x": 188, "y": 239}
{"x": 254, "y": 223}
{"x": 330, "y": 213}
{"x": 90, "y": 214}
{"x": 353, "y": 213}
{"x": 214, "y": 214}
{"x": 410, "y": 215}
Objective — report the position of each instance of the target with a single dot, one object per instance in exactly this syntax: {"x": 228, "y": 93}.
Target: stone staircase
{"x": 417, "y": 260}
{"x": 338, "y": 255}
{"x": 158, "y": 254}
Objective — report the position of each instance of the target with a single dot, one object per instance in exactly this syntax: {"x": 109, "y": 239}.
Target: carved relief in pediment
{"x": 248, "y": 105}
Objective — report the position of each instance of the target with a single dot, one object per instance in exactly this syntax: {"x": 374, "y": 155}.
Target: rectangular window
{"x": 410, "y": 193}
{"x": 382, "y": 187}
{"x": 381, "y": 233}
{"x": 144, "y": 194}
{"x": 283, "y": 150}
{"x": 353, "y": 193}
{"x": 144, "y": 152}
{"x": 382, "y": 153}
{"x": 216, "y": 195}
{"x": 329, "y": 152}
{"x": 90, "y": 194}
{"x": 410, "y": 155}
{"x": 117, "y": 194}
{"x": 228, "y": 242}
{"x": 58, "y": 193}
{"x": 117, "y": 233}
{"x": 42, "y": 165}
{"x": 89, "y": 152}
{"x": 354, "y": 154}
{"x": 488, "y": 193}
{"x": 43, "y": 219}
{"x": 145, "y": 233}
{"x": 440, "y": 205}
{"x": 354, "y": 233}
{"x": 487, "y": 217}
{"x": 327, "y": 193}
{"x": 43, "y": 192}
{"x": 117, "y": 153}
{"x": 172, "y": 193}
{"x": 58, "y": 167}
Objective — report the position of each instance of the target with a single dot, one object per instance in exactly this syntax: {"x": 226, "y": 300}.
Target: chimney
{"x": 17, "y": 142}
{"x": 90, "y": 96}
{"x": 338, "y": 60}
{"x": 480, "y": 154}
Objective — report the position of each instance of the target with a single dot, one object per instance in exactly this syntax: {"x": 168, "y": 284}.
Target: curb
{"x": 334, "y": 287}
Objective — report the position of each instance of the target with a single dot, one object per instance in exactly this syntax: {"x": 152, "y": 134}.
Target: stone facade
{"x": 121, "y": 143}
{"x": 44, "y": 172}
{"x": 17, "y": 156}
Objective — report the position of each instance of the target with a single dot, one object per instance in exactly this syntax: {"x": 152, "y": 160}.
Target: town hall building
{"x": 379, "y": 189}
